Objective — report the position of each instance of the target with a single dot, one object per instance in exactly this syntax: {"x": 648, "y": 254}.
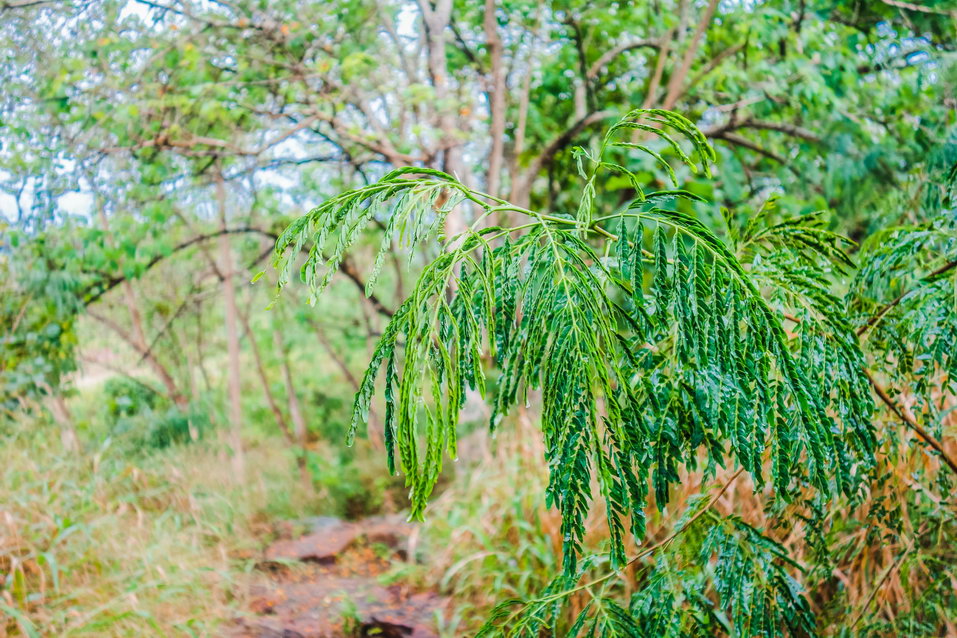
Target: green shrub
{"x": 145, "y": 420}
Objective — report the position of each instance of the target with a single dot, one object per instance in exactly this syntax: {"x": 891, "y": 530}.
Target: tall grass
{"x": 101, "y": 544}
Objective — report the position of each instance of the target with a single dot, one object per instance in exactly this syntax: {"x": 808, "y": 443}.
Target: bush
{"x": 145, "y": 420}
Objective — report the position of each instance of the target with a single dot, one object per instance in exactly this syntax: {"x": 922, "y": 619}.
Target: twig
{"x": 663, "y": 543}
{"x": 698, "y": 514}
{"x": 890, "y": 306}
{"x": 910, "y": 6}
{"x": 346, "y": 267}
{"x": 911, "y": 422}
{"x": 870, "y": 598}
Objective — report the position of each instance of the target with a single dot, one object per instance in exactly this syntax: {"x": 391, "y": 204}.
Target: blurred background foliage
{"x": 156, "y": 416}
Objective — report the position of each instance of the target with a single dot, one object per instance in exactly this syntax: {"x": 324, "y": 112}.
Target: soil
{"x": 329, "y": 583}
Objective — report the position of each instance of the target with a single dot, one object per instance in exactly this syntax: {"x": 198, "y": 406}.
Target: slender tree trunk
{"x": 517, "y": 189}
{"x": 437, "y": 18}
{"x": 496, "y": 100}
{"x": 61, "y": 414}
{"x": 519, "y": 147}
{"x": 295, "y": 410}
{"x": 232, "y": 339}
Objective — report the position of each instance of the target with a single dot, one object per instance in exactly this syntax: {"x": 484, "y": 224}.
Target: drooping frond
{"x": 728, "y": 560}
{"x": 792, "y": 259}
{"x": 725, "y": 369}
{"x": 645, "y": 355}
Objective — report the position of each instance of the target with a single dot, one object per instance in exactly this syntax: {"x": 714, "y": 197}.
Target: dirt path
{"x": 326, "y": 584}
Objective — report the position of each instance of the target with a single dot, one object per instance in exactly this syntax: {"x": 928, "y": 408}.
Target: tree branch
{"x": 677, "y": 79}
{"x": 607, "y": 57}
{"x": 737, "y": 140}
{"x": 789, "y": 129}
{"x": 711, "y": 66}
{"x": 908, "y": 419}
{"x": 22, "y": 4}
{"x": 545, "y": 158}
{"x": 496, "y": 92}
{"x": 890, "y": 306}
{"x": 346, "y": 267}
{"x": 911, "y": 422}
{"x": 910, "y": 6}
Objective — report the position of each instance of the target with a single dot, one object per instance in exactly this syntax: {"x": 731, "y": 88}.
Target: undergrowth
{"x": 100, "y": 544}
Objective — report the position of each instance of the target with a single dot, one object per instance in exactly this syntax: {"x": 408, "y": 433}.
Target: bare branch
{"x": 789, "y": 129}
{"x": 910, "y": 6}
{"x": 496, "y": 100}
{"x": 677, "y": 79}
{"x": 737, "y": 140}
{"x": 611, "y": 54}
{"x": 911, "y": 422}
{"x": 346, "y": 267}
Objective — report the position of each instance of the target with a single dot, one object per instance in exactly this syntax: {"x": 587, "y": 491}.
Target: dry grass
{"x": 99, "y": 544}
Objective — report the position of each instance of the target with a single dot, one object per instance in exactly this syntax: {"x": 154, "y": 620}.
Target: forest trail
{"x": 326, "y": 584}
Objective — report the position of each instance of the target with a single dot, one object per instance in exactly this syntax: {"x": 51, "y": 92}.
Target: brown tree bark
{"x": 496, "y": 94}
{"x": 300, "y": 432}
{"x": 436, "y": 17}
{"x": 233, "y": 371}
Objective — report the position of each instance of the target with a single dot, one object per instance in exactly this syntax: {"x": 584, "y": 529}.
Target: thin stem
{"x": 601, "y": 231}
{"x": 911, "y": 422}
{"x": 870, "y": 598}
{"x": 873, "y": 321}
{"x": 650, "y": 550}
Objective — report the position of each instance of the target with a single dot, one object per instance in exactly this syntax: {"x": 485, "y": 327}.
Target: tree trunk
{"x": 496, "y": 101}
{"x": 61, "y": 414}
{"x": 295, "y": 411}
{"x": 437, "y": 20}
{"x": 232, "y": 340}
